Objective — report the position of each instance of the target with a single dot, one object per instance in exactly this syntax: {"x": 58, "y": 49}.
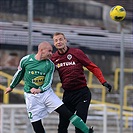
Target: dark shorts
{"x": 77, "y": 100}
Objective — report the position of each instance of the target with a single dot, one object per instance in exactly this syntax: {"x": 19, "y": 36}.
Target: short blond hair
{"x": 58, "y": 33}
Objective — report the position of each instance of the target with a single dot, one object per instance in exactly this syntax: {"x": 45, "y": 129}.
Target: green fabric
{"x": 78, "y": 122}
{"x": 36, "y": 74}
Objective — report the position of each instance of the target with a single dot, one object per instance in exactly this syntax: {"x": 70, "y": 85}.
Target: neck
{"x": 63, "y": 50}
{"x": 37, "y": 57}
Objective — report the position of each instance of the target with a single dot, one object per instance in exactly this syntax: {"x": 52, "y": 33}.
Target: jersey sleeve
{"x": 18, "y": 76}
{"x": 48, "y": 78}
{"x": 96, "y": 71}
{"x": 90, "y": 65}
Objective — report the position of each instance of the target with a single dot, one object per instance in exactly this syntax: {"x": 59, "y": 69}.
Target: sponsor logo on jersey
{"x": 38, "y": 80}
{"x": 65, "y": 64}
{"x": 36, "y": 72}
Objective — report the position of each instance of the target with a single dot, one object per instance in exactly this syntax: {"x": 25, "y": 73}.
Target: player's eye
{"x": 55, "y": 40}
{"x": 60, "y": 39}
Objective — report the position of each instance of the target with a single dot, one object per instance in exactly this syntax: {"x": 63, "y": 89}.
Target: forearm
{"x": 96, "y": 71}
{"x": 16, "y": 79}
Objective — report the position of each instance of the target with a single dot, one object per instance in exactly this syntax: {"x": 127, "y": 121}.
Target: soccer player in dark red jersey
{"x": 69, "y": 62}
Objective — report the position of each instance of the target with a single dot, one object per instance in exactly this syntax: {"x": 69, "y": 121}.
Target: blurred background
{"x": 86, "y": 25}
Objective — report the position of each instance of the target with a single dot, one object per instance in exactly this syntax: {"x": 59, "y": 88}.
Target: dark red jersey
{"x": 70, "y": 68}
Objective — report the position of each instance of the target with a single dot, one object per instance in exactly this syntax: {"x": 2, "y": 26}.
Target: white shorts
{"x": 41, "y": 105}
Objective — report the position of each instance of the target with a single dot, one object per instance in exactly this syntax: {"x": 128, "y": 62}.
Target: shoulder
{"x": 50, "y": 62}
{"x": 55, "y": 56}
{"x": 75, "y": 51}
{"x": 26, "y": 58}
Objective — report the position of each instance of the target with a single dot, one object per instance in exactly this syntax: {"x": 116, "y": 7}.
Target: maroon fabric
{"x": 70, "y": 68}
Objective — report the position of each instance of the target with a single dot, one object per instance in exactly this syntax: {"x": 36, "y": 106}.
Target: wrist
{"x": 11, "y": 87}
{"x": 41, "y": 90}
{"x": 104, "y": 83}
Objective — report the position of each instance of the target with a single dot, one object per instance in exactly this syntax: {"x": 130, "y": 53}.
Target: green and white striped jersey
{"x": 36, "y": 74}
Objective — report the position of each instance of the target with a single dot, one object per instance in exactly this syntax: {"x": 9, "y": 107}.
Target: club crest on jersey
{"x": 69, "y": 56}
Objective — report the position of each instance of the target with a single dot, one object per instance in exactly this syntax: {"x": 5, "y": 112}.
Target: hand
{"x": 108, "y": 86}
{"x": 35, "y": 91}
{"x": 8, "y": 90}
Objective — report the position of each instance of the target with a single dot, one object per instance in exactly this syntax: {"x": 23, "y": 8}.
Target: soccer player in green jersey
{"x": 37, "y": 71}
